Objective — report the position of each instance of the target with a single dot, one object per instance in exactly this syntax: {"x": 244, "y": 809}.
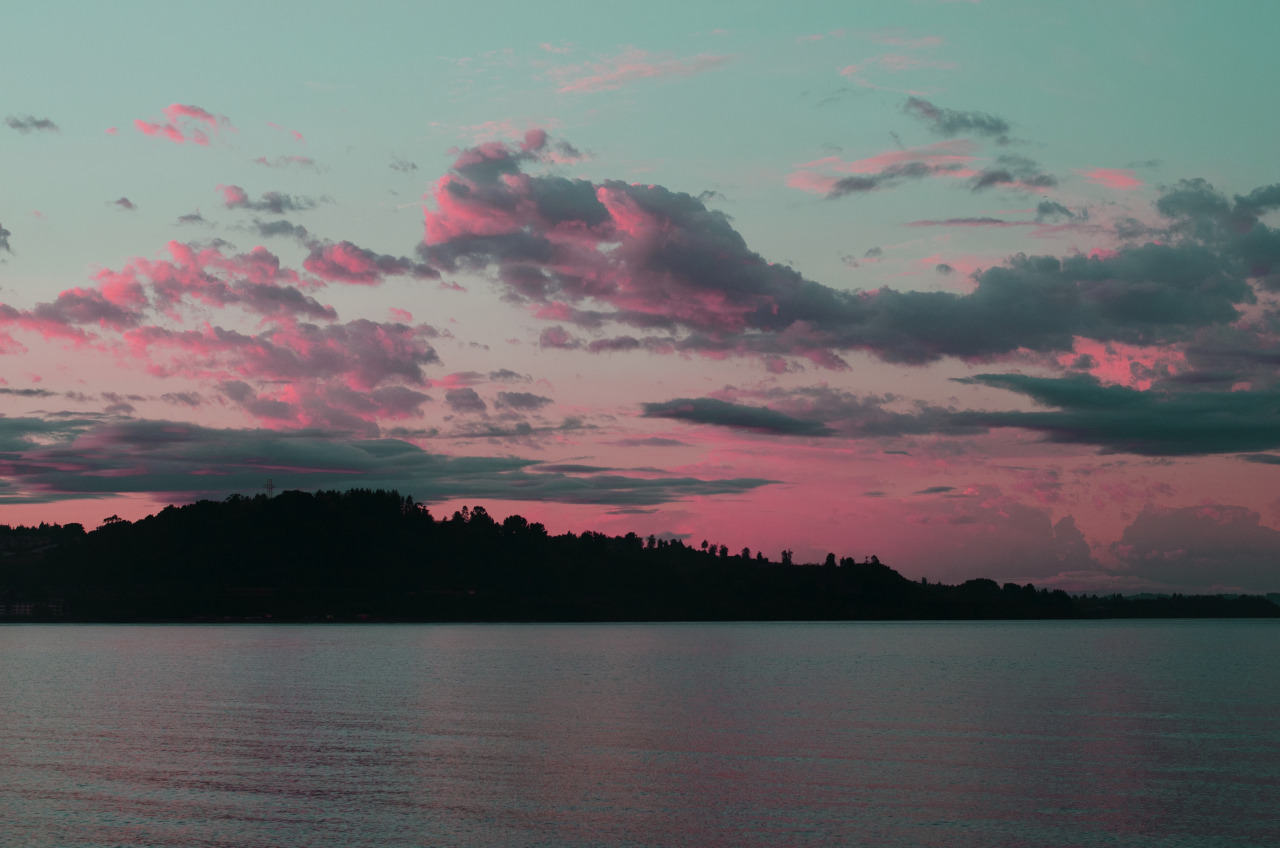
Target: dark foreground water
{"x": 955, "y": 734}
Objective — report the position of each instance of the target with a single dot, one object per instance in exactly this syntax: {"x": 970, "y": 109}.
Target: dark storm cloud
{"x": 953, "y": 122}
{"x": 859, "y": 416}
{"x": 521, "y": 400}
{"x": 465, "y": 400}
{"x": 36, "y": 393}
{"x": 1200, "y": 212}
{"x": 81, "y": 457}
{"x": 1016, "y": 171}
{"x": 737, "y": 416}
{"x": 30, "y": 123}
{"x": 1048, "y": 211}
{"x": 890, "y": 176}
{"x": 1123, "y": 420}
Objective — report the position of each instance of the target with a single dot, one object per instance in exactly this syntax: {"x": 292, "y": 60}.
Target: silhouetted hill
{"x": 376, "y": 555}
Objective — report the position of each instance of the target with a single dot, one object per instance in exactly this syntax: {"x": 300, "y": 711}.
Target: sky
{"x": 985, "y": 289}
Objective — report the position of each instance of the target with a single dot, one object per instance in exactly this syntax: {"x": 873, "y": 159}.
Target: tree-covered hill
{"x": 364, "y": 554}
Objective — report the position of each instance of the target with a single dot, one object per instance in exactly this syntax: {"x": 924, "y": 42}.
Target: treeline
{"x": 375, "y": 555}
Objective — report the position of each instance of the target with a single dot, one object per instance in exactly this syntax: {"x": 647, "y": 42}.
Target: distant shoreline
{"x": 365, "y": 556}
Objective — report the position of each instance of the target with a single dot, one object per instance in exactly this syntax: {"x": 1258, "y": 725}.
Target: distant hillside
{"x": 374, "y": 555}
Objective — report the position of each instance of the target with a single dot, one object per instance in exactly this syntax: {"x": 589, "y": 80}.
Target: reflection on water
{"x": 915, "y": 734}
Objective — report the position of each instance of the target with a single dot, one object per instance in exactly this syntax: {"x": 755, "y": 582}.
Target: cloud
{"x": 1222, "y": 546}
{"x": 982, "y": 221}
{"x": 632, "y": 65}
{"x": 183, "y": 123}
{"x": 125, "y": 203}
{"x": 81, "y": 457}
{"x": 889, "y": 168}
{"x": 737, "y": 416}
{"x": 182, "y": 398}
{"x": 508, "y": 376}
{"x": 1119, "y": 419}
{"x": 289, "y": 373}
{"x": 288, "y": 161}
{"x": 1013, "y": 171}
{"x": 849, "y": 415}
{"x": 650, "y": 442}
{"x": 465, "y": 400}
{"x": 30, "y": 123}
{"x": 345, "y": 262}
{"x": 1117, "y": 178}
{"x": 522, "y": 401}
{"x": 32, "y": 393}
{"x": 1048, "y": 211}
{"x": 4, "y": 239}
{"x": 952, "y": 122}
{"x": 596, "y": 254}
{"x": 403, "y": 165}
{"x": 935, "y": 490}
{"x": 558, "y": 337}
{"x": 273, "y": 229}
{"x": 274, "y": 202}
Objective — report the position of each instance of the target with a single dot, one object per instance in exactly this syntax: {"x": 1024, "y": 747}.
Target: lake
{"x": 1117, "y": 733}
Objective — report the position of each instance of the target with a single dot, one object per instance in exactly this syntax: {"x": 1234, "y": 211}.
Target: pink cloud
{"x": 811, "y": 182}
{"x": 337, "y": 375}
{"x": 184, "y": 123}
{"x": 632, "y": 65}
{"x": 345, "y": 262}
{"x": 661, "y": 271}
{"x": 233, "y": 195}
{"x": 950, "y": 158}
{"x": 1121, "y": 179}
{"x": 297, "y": 136}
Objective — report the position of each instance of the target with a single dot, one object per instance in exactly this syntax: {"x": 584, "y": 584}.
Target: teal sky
{"x": 747, "y": 273}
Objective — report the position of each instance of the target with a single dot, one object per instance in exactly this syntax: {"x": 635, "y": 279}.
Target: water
{"x": 901, "y": 734}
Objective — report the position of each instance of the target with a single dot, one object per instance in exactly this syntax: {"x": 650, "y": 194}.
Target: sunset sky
{"x": 981, "y": 288}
